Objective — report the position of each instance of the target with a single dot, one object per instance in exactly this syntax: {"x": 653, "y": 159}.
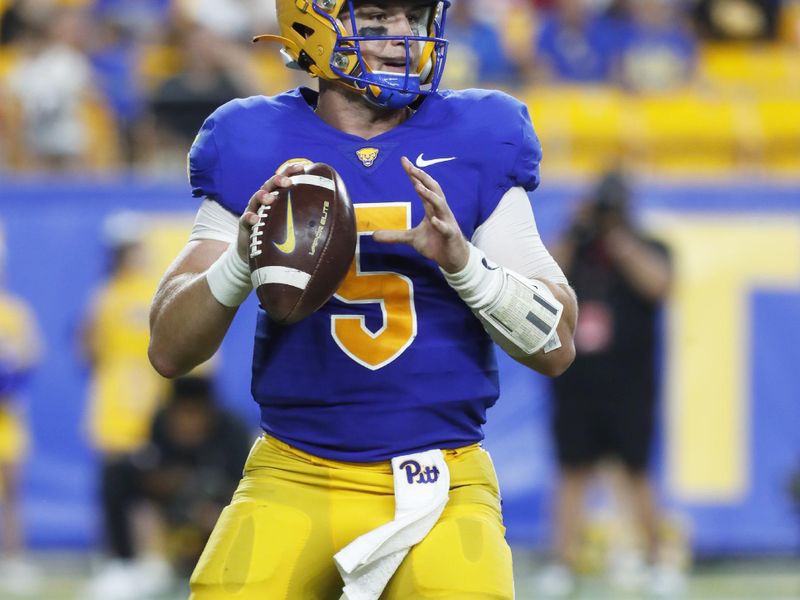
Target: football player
{"x": 401, "y": 360}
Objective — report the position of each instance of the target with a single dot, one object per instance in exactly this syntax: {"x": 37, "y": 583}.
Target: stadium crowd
{"x": 104, "y": 84}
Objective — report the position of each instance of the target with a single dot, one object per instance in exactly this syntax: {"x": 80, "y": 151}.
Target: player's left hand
{"x": 438, "y": 235}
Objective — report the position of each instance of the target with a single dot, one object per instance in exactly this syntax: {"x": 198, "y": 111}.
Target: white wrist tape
{"x": 520, "y": 314}
{"x": 229, "y": 278}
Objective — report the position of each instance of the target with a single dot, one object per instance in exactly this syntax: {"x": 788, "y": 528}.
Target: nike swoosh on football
{"x": 287, "y": 247}
{"x": 422, "y": 163}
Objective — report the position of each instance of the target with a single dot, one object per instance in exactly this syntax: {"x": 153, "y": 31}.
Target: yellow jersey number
{"x": 394, "y": 292}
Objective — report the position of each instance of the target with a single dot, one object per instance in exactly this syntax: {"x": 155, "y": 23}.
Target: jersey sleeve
{"x": 517, "y": 152}
{"x": 233, "y": 152}
{"x": 525, "y": 170}
{"x": 204, "y": 162}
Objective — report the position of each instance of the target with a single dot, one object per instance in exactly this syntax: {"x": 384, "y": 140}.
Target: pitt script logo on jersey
{"x": 287, "y": 247}
{"x": 414, "y": 470}
{"x": 368, "y": 156}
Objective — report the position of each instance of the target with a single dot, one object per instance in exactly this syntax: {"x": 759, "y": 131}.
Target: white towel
{"x": 421, "y": 491}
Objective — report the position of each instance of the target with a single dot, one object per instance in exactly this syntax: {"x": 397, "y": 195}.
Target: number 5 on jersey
{"x": 394, "y": 292}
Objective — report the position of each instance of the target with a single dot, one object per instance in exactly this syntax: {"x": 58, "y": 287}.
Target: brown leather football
{"x": 303, "y": 245}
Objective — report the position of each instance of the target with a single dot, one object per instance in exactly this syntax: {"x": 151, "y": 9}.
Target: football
{"x": 303, "y": 245}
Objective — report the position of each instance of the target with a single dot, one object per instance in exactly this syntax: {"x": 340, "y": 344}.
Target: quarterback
{"x": 369, "y": 480}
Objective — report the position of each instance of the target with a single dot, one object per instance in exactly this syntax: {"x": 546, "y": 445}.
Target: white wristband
{"x": 229, "y": 278}
{"x": 479, "y": 282}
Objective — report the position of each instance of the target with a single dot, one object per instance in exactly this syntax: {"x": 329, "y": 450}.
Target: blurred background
{"x": 697, "y": 101}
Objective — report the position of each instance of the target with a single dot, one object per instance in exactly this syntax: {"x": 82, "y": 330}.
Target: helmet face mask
{"x": 317, "y": 40}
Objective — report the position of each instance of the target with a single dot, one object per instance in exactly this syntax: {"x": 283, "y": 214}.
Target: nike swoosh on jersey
{"x": 422, "y": 163}
{"x": 288, "y": 246}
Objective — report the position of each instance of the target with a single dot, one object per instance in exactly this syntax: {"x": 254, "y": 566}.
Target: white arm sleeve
{"x": 509, "y": 237}
{"x": 213, "y": 222}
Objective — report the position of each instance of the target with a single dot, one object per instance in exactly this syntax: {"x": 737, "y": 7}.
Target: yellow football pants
{"x": 293, "y": 511}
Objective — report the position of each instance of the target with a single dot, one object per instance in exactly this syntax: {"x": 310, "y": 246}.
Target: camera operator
{"x": 605, "y": 403}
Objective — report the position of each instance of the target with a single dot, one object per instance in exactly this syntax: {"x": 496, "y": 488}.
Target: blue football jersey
{"x": 395, "y": 363}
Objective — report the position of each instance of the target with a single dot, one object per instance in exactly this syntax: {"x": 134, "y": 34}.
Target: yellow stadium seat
{"x": 552, "y": 126}
{"x": 581, "y": 128}
{"x": 779, "y": 128}
{"x": 758, "y": 68}
{"x": 686, "y": 133}
{"x": 584, "y": 130}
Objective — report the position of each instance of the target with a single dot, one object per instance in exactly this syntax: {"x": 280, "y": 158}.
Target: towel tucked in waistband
{"x": 421, "y": 491}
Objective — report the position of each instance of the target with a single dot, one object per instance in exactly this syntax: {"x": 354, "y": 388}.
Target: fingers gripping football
{"x": 438, "y": 235}
{"x": 303, "y": 242}
{"x": 265, "y": 196}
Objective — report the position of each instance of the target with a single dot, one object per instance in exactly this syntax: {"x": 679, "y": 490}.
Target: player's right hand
{"x": 265, "y": 196}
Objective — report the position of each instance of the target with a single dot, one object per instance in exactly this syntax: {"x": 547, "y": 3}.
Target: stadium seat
{"x": 686, "y": 133}
{"x": 779, "y": 128}
{"x": 582, "y": 128}
{"x": 762, "y": 69}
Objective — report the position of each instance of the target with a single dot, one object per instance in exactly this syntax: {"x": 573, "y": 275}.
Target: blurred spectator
{"x": 47, "y": 89}
{"x": 9, "y": 22}
{"x": 575, "y": 44}
{"x": 187, "y": 472}
{"x": 738, "y": 20}
{"x": 192, "y": 466}
{"x": 657, "y": 51}
{"x": 19, "y": 353}
{"x": 605, "y": 403}
{"x": 214, "y": 72}
{"x": 794, "y": 492}
{"x": 143, "y": 19}
{"x": 116, "y": 56}
{"x": 18, "y": 14}
{"x": 124, "y": 395}
{"x": 230, "y": 19}
{"x": 476, "y": 55}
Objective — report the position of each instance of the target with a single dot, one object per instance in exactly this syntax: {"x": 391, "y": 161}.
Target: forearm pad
{"x": 520, "y": 314}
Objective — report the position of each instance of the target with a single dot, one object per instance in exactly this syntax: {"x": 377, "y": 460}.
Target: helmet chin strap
{"x": 425, "y": 73}
{"x": 378, "y": 94}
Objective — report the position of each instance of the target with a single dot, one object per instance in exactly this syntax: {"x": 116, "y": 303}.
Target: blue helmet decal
{"x": 392, "y": 89}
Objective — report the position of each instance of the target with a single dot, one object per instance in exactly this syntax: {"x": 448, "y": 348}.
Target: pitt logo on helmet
{"x": 367, "y": 156}
{"x": 316, "y": 40}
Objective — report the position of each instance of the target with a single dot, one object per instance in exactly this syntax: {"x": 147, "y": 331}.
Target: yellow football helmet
{"x": 314, "y": 40}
